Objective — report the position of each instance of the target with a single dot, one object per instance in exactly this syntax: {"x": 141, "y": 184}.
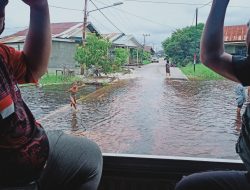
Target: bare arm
{"x": 213, "y": 54}
{"x": 37, "y": 45}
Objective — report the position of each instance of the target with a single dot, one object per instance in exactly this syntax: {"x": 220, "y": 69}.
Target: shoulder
{"x": 10, "y": 54}
{"x": 242, "y": 69}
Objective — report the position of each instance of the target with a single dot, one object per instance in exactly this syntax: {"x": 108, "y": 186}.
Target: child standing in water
{"x": 73, "y": 90}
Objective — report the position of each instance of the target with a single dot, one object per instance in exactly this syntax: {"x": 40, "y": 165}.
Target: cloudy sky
{"x": 154, "y": 19}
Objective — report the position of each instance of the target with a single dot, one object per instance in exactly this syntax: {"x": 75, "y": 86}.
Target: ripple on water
{"x": 149, "y": 116}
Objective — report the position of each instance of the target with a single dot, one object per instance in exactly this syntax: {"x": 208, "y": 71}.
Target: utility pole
{"x": 84, "y": 23}
{"x": 86, "y": 14}
{"x": 144, "y": 38}
{"x": 144, "y": 42}
{"x": 196, "y": 22}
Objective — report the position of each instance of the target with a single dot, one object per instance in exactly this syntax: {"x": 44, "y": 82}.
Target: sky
{"x": 149, "y": 20}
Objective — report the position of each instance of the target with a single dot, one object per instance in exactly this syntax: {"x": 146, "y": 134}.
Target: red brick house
{"x": 235, "y": 39}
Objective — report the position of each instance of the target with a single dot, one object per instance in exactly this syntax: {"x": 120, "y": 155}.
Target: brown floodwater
{"x": 146, "y": 115}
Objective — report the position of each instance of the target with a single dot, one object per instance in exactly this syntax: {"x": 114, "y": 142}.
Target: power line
{"x": 106, "y": 17}
{"x": 142, "y": 1}
{"x": 118, "y": 15}
{"x": 235, "y": 6}
{"x": 161, "y": 2}
{"x": 104, "y": 26}
{"x": 205, "y": 5}
{"x": 143, "y": 18}
{"x": 196, "y": 11}
{"x": 145, "y": 1}
{"x": 70, "y": 9}
{"x": 164, "y": 2}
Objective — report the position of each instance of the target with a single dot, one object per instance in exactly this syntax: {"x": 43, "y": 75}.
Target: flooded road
{"x": 153, "y": 115}
{"x": 45, "y": 100}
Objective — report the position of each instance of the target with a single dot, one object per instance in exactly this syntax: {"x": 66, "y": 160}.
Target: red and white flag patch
{"x": 6, "y": 107}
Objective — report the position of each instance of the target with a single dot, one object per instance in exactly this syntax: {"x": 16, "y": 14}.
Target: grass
{"x": 49, "y": 79}
{"x": 201, "y": 72}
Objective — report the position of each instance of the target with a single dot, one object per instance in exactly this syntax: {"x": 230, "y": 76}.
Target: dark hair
{"x": 2, "y": 29}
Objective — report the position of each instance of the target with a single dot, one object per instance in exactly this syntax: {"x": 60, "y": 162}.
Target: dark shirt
{"x": 242, "y": 69}
{"x": 24, "y": 146}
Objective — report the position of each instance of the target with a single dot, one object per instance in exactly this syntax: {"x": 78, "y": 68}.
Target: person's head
{"x": 3, "y": 4}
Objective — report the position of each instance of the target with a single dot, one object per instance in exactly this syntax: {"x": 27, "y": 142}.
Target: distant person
{"x": 240, "y": 92}
{"x": 73, "y": 90}
{"x": 235, "y": 68}
{"x": 167, "y": 65}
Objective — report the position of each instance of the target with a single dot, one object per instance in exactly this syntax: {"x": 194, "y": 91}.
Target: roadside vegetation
{"x": 183, "y": 44}
{"x": 201, "y": 72}
{"x": 98, "y": 53}
{"x": 49, "y": 79}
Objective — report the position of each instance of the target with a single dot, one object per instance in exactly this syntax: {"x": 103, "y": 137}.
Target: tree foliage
{"x": 95, "y": 52}
{"x": 181, "y": 46}
{"x": 121, "y": 56}
{"x": 146, "y": 57}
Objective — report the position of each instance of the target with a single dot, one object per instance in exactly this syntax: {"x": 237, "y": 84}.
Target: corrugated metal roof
{"x": 58, "y": 30}
{"x": 20, "y": 39}
{"x": 112, "y": 36}
{"x": 13, "y": 39}
{"x": 235, "y": 33}
{"x": 128, "y": 41}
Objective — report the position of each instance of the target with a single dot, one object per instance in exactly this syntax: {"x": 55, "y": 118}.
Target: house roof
{"x": 64, "y": 30}
{"x": 112, "y": 36}
{"x": 235, "y": 33}
{"x": 128, "y": 41}
{"x": 122, "y": 40}
{"x": 21, "y": 39}
{"x": 13, "y": 39}
{"x": 149, "y": 49}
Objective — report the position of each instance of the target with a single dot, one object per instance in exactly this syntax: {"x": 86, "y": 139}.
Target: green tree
{"x": 146, "y": 57}
{"x": 142, "y": 55}
{"x": 121, "y": 57}
{"x": 181, "y": 46}
{"x": 95, "y": 52}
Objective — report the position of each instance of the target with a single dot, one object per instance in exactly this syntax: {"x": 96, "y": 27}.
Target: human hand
{"x": 3, "y": 3}
{"x": 36, "y": 3}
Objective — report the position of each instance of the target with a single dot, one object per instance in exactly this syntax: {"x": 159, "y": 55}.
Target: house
{"x": 149, "y": 49}
{"x": 65, "y": 38}
{"x": 235, "y": 39}
{"x": 121, "y": 40}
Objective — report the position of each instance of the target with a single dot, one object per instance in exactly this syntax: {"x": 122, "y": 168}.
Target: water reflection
{"x": 45, "y": 100}
{"x": 152, "y": 115}
{"x": 74, "y": 125}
